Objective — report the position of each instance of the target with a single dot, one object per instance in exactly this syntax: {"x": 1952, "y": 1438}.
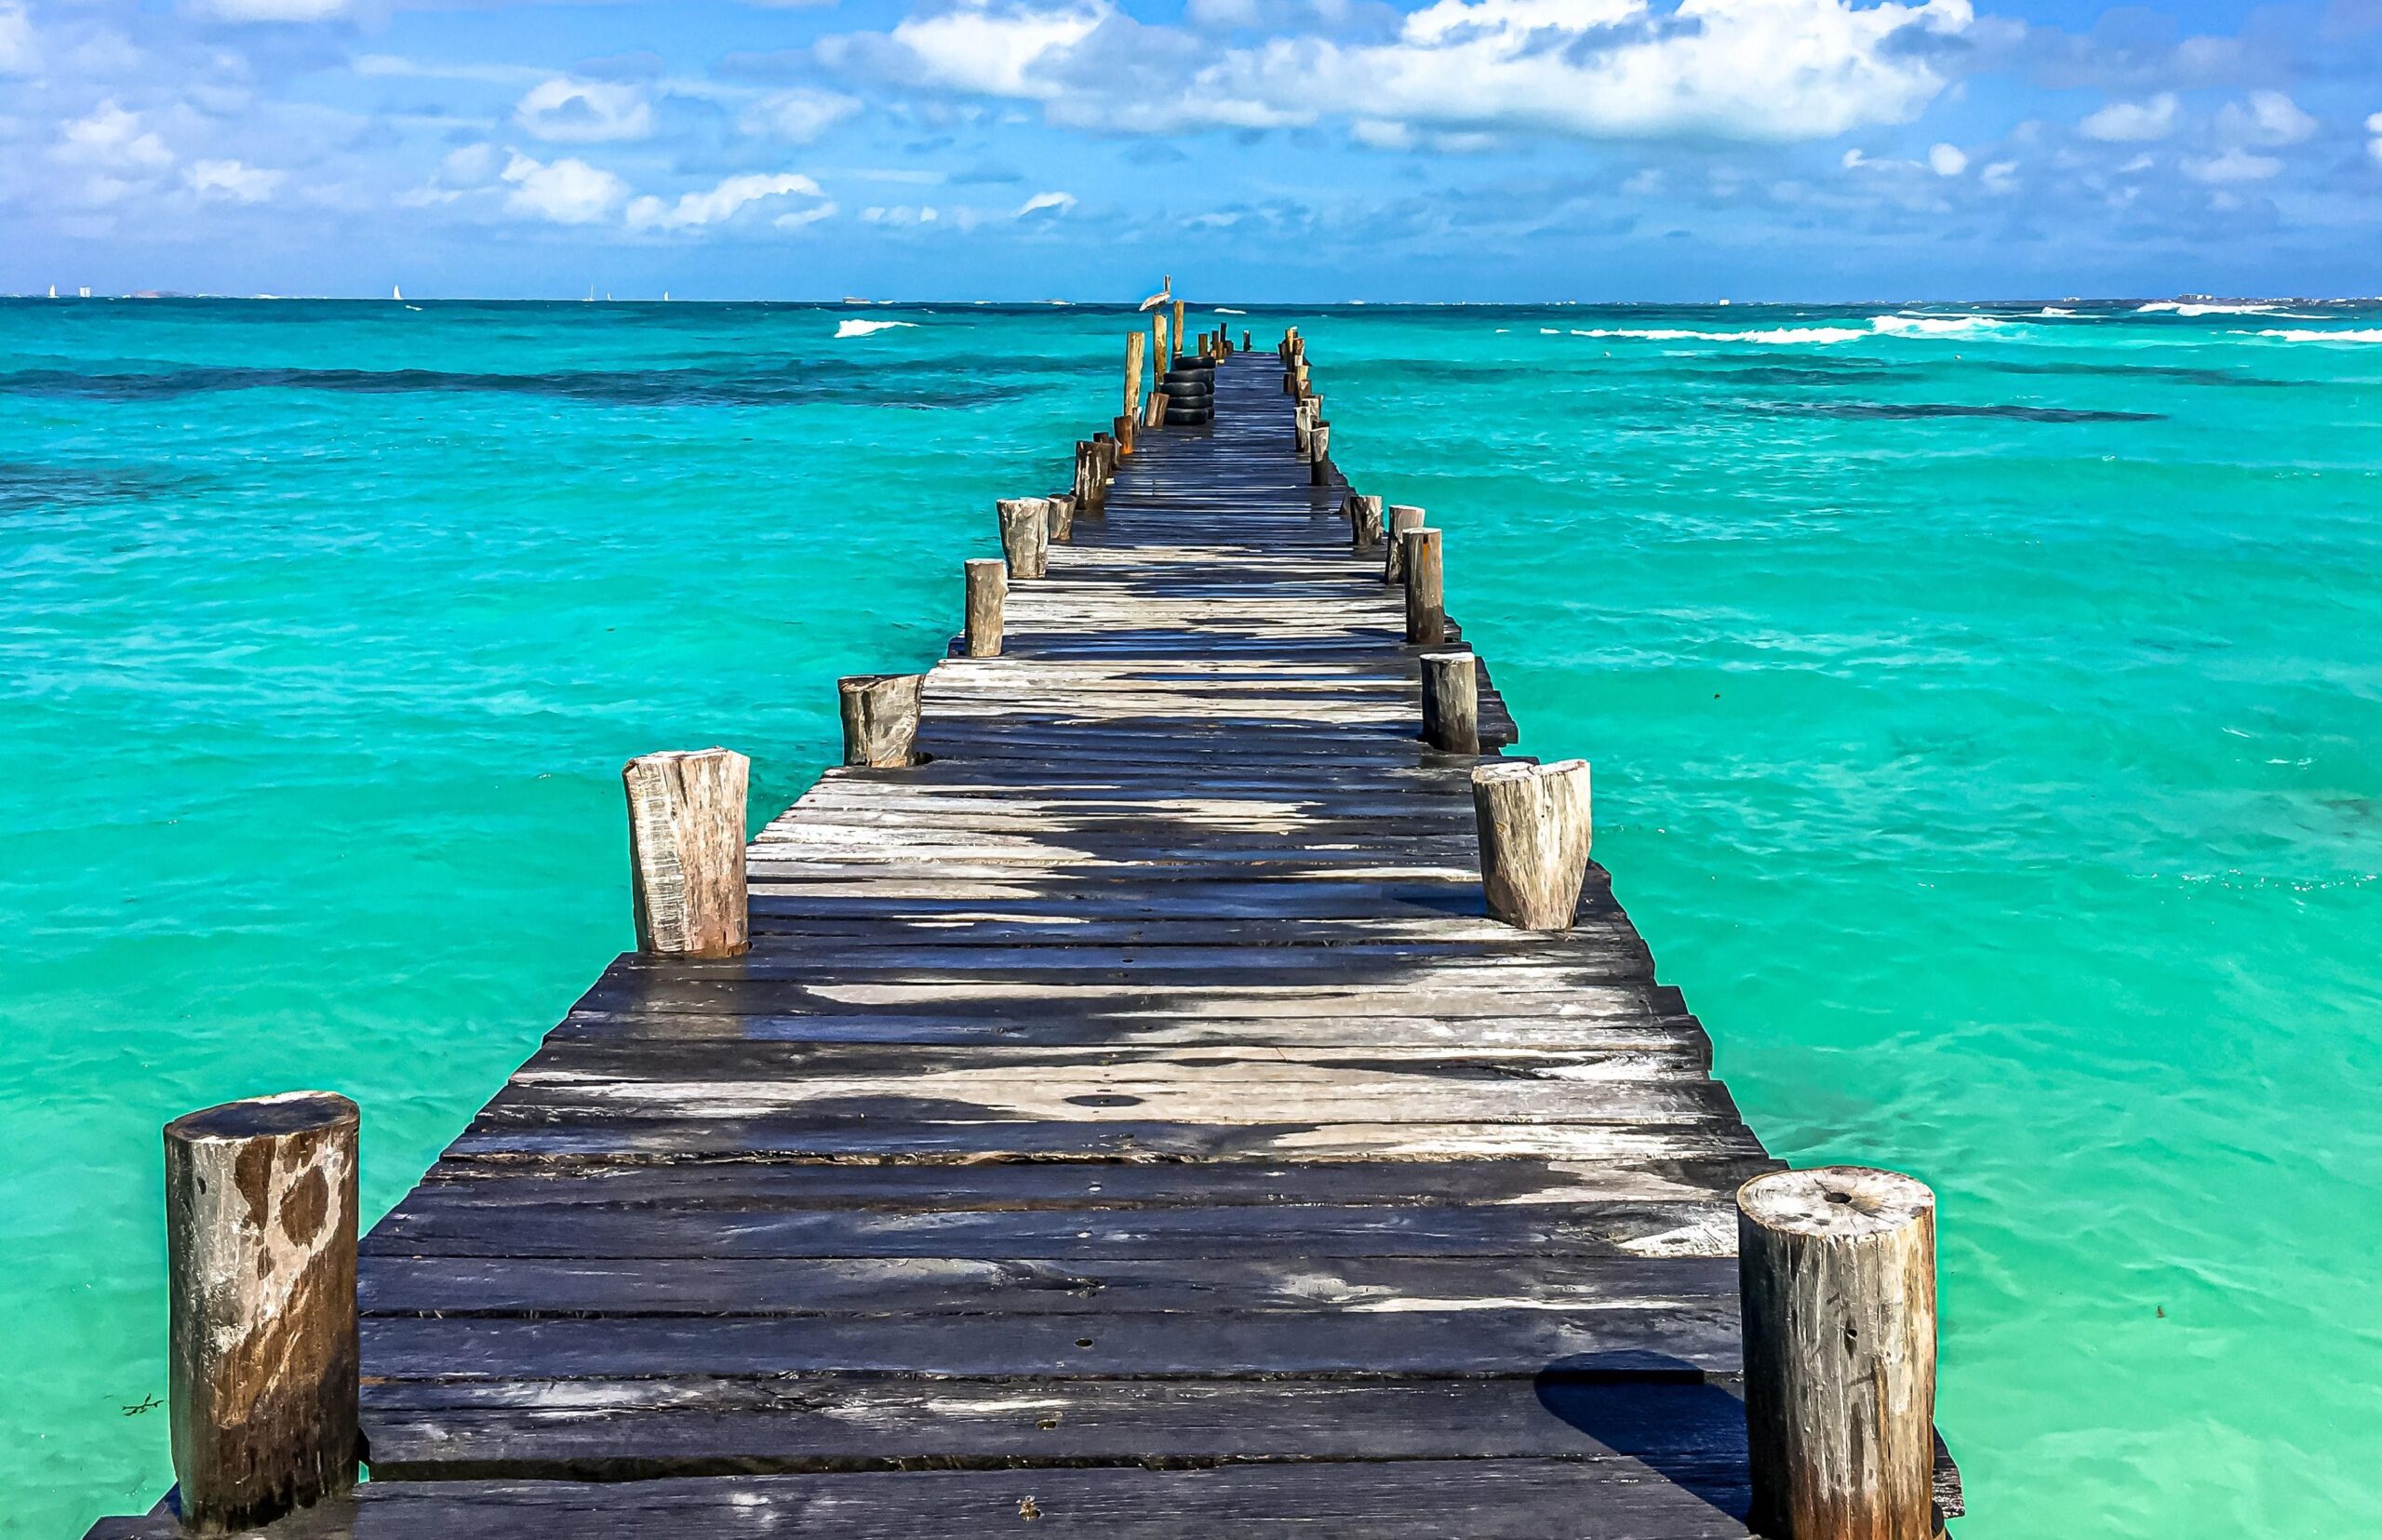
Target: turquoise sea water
{"x": 1985, "y": 707}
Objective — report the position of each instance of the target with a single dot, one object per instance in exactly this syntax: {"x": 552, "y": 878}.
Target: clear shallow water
{"x": 1985, "y": 714}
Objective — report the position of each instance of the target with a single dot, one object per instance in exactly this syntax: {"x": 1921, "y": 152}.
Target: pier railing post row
{"x": 1837, "y": 1285}
{"x": 1403, "y": 518}
{"x": 1452, "y": 701}
{"x": 1427, "y": 615}
{"x": 1026, "y": 535}
{"x": 687, "y": 852}
{"x": 988, "y": 594}
{"x": 881, "y": 714}
{"x": 1364, "y": 522}
{"x": 1534, "y": 828}
{"x": 264, "y": 1366}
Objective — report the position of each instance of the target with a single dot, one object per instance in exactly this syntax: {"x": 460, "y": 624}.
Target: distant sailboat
{"x": 1164, "y": 294}
{"x": 397, "y": 294}
{"x": 53, "y": 291}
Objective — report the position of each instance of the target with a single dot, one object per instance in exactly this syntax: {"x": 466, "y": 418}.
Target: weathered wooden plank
{"x": 1689, "y": 1431}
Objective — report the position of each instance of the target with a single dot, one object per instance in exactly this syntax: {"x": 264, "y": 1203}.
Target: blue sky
{"x": 1306, "y": 149}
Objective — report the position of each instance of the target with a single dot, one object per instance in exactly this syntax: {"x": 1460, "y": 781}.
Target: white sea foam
{"x": 2178, "y": 307}
{"x": 861, "y": 328}
{"x": 1935, "y": 326}
{"x": 2301, "y": 334}
{"x": 1222, "y": 311}
{"x": 2053, "y": 310}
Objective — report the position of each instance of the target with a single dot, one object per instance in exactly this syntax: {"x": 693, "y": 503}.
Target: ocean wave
{"x": 2053, "y": 310}
{"x": 861, "y": 328}
{"x": 1935, "y": 326}
{"x": 2180, "y": 307}
{"x": 1772, "y": 335}
{"x": 2303, "y": 334}
{"x": 1222, "y": 310}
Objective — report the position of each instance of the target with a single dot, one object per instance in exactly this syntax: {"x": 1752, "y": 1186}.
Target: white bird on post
{"x": 1165, "y": 294}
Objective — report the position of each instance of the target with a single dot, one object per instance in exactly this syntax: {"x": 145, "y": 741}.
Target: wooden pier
{"x": 1129, "y": 1121}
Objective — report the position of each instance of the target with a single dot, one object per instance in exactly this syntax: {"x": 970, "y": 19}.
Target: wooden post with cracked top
{"x": 1364, "y": 521}
{"x": 881, "y": 714}
{"x": 262, "y": 1361}
{"x": 1452, "y": 701}
{"x": 1025, "y": 536}
{"x": 1427, "y": 614}
{"x": 1837, "y": 1288}
{"x": 987, "y": 579}
{"x": 686, "y": 850}
{"x": 1534, "y": 829}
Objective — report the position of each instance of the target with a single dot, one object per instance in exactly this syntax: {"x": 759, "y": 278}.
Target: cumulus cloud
{"x": 2233, "y": 166}
{"x": 1758, "y": 70}
{"x": 111, "y": 139}
{"x": 1947, "y": 160}
{"x": 2134, "y": 121}
{"x": 585, "y": 111}
{"x": 275, "y": 10}
{"x": 798, "y": 116}
{"x": 1054, "y": 203}
{"x": 16, "y": 40}
{"x": 2268, "y": 117}
{"x": 725, "y": 202}
{"x": 567, "y": 191}
{"x": 231, "y": 180}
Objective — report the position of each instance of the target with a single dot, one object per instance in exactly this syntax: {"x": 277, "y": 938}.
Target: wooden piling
{"x": 262, "y": 1361}
{"x": 1534, "y": 828}
{"x": 1452, "y": 701}
{"x": 988, "y": 594}
{"x": 1135, "y": 343}
{"x": 1364, "y": 522}
{"x": 686, "y": 850}
{"x": 1318, "y": 460}
{"x": 1426, "y": 617}
{"x": 1124, "y": 432}
{"x": 1026, "y": 535}
{"x": 881, "y": 719}
{"x": 1245, "y": 343}
{"x": 1837, "y": 1283}
{"x": 1178, "y": 331}
{"x": 1061, "y": 528}
{"x": 1160, "y": 355}
{"x": 1403, "y": 518}
{"x": 1157, "y": 410}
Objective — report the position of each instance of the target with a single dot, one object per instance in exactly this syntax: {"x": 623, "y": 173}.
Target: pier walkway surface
{"x": 1126, "y": 1122}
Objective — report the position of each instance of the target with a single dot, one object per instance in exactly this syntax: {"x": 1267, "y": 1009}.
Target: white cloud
{"x": 1999, "y": 177}
{"x": 275, "y": 10}
{"x": 1374, "y": 134}
{"x": 231, "y": 180}
{"x": 2233, "y": 166}
{"x": 997, "y": 51}
{"x": 722, "y": 203}
{"x": 798, "y": 116}
{"x": 2268, "y": 117}
{"x": 1057, "y": 203}
{"x": 2134, "y": 121}
{"x": 1947, "y": 160}
{"x": 568, "y": 192}
{"x": 2374, "y": 145}
{"x": 585, "y": 111}
{"x": 469, "y": 166}
{"x": 1765, "y": 70}
{"x": 16, "y": 40}
{"x": 902, "y": 214}
{"x": 113, "y": 140}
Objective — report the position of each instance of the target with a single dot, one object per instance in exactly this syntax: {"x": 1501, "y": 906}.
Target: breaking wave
{"x": 861, "y": 328}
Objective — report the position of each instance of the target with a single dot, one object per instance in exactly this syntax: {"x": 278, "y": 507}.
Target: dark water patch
{"x": 26, "y": 487}
{"x": 922, "y": 382}
{"x": 1913, "y": 409}
{"x": 2148, "y": 371}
